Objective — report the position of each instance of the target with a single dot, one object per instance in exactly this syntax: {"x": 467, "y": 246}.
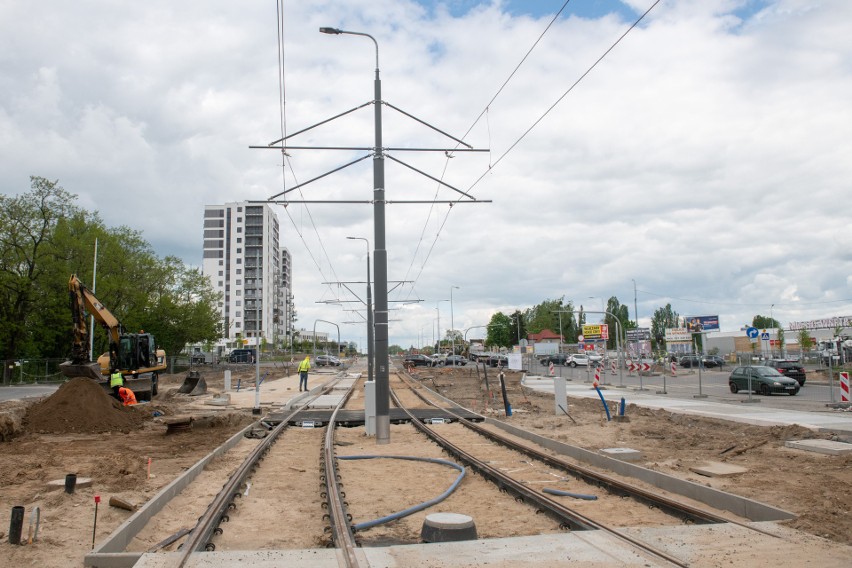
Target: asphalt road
{"x": 26, "y": 391}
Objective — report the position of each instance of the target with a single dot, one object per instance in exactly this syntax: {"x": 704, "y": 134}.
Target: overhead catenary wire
{"x": 526, "y": 132}
{"x": 285, "y": 158}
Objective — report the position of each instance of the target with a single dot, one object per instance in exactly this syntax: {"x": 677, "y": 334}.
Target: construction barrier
{"x": 551, "y": 370}
{"x": 612, "y": 367}
{"x": 674, "y": 369}
{"x": 844, "y": 387}
{"x": 597, "y": 377}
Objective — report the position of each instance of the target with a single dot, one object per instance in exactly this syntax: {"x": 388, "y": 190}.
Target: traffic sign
{"x": 764, "y": 336}
{"x": 752, "y": 332}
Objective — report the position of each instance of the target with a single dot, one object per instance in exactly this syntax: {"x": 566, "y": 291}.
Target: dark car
{"x": 497, "y": 360}
{"x": 327, "y": 361}
{"x": 713, "y": 361}
{"x": 455, "y": 361}
{"x": 555, "y": 358}
{"x": 764, "y": 380}
{"x": 689, "y": 361}
{"x": 242, "y": 356}
{"x": 788, "y": 368}
{"x": 417, "y": 360}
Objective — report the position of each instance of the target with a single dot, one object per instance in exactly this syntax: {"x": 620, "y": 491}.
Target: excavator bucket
{"x": 194, "y": 384}
{"x": 91, "y": 370}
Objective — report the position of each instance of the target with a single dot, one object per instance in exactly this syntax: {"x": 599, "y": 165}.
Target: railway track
{"x": 344, "y": 535}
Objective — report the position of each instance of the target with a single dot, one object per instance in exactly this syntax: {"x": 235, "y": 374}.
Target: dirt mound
{"x": 81, "y": 406}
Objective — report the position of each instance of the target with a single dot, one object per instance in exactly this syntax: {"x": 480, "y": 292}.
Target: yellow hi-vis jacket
{"x": 116, "y": 380}
{"x": 305, "y": 365}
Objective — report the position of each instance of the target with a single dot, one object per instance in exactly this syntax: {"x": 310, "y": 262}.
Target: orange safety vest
{"x": 127, "y": 396}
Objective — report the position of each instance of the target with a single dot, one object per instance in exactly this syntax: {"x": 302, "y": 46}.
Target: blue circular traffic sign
{"x": 752, "y": 332}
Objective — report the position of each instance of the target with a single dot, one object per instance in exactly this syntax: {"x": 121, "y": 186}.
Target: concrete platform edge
{"x": 111, "y": 552}
{"x": 741, "y": 506}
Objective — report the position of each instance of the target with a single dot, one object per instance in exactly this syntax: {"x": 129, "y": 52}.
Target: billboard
{"x": 595, "y": 331}
{"x": 678, "y": 334}
{"x": 699, "y": 324}
{"x": 639, "y": 334}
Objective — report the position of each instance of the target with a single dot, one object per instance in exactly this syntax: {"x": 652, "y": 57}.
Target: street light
{"x": 369, "y": 312}
{"x": 438, "y": 309}
{"x": 452, "y": 322}
{"x": 380, "y": 255}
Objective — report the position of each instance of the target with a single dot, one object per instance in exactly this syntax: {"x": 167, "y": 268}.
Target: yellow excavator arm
{"x": 83, "y": 299}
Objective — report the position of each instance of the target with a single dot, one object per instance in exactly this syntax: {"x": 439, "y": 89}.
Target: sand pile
{"x": 81, "y": 406}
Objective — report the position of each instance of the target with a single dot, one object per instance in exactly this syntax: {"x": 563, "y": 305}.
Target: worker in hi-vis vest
{"x": 304, "y": 367}
{"x": 116, "y": 381}
{"x": 127, "y": 396}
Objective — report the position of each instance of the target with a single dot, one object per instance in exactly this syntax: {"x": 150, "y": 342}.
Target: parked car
{"x": 594, "y": 357}
{"x": 689, "y": 361}
{"x": 713, "y": 361}
{"x": 764, "y": 380}
{"x": 327, "y": 361}
{"x": 788, "y": 368}
{"x": 555, "y": 358}
{"x": 242, "y": 356}
{"x": 497, "y": 360}
{"x": 455, "y": 361}
{"x": 579, "y": 360}
{"x": 418, "y": 360}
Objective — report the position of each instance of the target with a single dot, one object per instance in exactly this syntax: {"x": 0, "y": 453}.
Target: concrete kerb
{"x": 111, "y": 552}
{"x": 741, "y": 506}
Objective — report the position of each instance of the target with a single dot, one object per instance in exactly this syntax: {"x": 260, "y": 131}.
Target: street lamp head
{"x": 332, "y": 31}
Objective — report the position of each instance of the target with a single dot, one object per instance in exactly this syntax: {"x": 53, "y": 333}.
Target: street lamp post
{"x": 438, "y": 309}
{"x": 452, "y": 322}
{"x": 380, "y": 255}
{"x": 369, "y": 312}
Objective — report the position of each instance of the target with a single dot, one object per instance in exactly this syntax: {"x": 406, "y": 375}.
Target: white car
{"x": 578, "y": 360}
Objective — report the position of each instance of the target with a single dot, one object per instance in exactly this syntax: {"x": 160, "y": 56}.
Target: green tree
{"x": 663, "y": 318}
{"x": 622, "y": 313}
{"x": 805, "y": 341}
{"x": 499, "y": 331}
{"x": 27, "y": 249}
{"x": 765, "y": 322}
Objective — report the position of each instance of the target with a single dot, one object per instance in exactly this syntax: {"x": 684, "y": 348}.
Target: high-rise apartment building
{"x": 243, "y": 261}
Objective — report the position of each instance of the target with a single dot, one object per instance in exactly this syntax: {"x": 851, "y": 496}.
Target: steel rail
{"x": 593, "y": 477}
{"x": 216, "y": 513}
{"x": 342, "y": 534}
{"x": 566, "y": 515}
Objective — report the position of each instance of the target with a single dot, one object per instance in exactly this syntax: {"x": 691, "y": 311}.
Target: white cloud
{"x": 705, "y": 157}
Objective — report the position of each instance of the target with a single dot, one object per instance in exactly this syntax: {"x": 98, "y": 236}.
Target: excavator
{"x": 135, "y": 355}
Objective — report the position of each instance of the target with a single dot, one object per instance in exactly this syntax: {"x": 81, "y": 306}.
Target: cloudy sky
{"x": 707, "y": 157}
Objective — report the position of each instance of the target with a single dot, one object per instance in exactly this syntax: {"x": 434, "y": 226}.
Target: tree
{"x": 765, "y": 322}
{"x": 805, "y": 341}
{"x": 27, "y": 249}
{"x": 664, "y": 318}
{"x": 518, "y": 328}
{"x": 622, "y": 313}
{"x": 499, "y": 331}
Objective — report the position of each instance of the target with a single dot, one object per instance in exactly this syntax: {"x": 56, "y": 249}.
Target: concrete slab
{"x": 821, "y": 447}
{"x": 626, "y": 454}
{"x": 718, "y": 469}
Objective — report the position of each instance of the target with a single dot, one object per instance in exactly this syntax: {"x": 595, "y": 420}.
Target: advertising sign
{"x": 595, "y": 331}
{"x": 639, "y": 334}
{"x": 699, "y": 324}
{"x": 678, "y": 334}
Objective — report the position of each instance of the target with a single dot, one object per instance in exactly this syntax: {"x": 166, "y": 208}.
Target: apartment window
{"x": 221, "y": 283}
{"x": 239, "y": 270}
{"x": 239, "y": 261}
{"x": 239, "y": 251}
{"x": 239, "y": 282}
{"x": 221, "y": 263}
{"x": 239, "y": 314}
{"x": 239, "y": 219}
{"x": 239, "y": 303}
{"x": 239, "y": 229}
{"x": 239, "y": 209}
{"x": 239, "y": 293}
{"x": 239, "y": 240}
{"x": 220, "y": 273}
{"x": 237, "y": 325}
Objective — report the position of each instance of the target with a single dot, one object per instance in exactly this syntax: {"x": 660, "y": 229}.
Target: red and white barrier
{"x": 612, "y": 366}
{"x": 645, "y": 367}
{"x": 674, "y": 369}
{"x": 550, "y": 369}
{"x": 844, "y": 387}
{"x": 597, "y": 376}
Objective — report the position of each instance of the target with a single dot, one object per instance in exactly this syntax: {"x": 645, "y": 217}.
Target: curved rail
{"x": 611, "y": 484}
{"x": 342, "y": 534}
{"x": 566, "y": 515}
{"x": 208, "y": 524}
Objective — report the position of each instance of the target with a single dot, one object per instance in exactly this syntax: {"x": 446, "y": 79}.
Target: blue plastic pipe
{"x": 415, "y": 508}
{"x": 606, "y": 408}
